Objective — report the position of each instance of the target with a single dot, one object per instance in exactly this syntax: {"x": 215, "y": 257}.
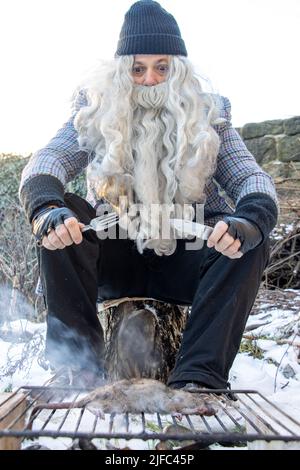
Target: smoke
{"x": 81, "y": 350}
{"x": 14, "y": 306}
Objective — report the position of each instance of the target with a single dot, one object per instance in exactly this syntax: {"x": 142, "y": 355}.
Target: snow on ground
{"x": 270, "y": 368}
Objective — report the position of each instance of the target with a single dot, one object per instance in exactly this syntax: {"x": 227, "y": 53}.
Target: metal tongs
{"x": 187, "y": 227}
{"x": 102, "y": 222}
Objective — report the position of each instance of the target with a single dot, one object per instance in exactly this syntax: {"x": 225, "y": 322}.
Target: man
{"x": 145, "y": 131}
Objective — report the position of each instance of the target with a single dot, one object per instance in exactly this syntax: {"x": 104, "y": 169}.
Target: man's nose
{"x": 150, "y": 78}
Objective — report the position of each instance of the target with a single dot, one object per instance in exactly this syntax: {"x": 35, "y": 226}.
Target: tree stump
{"x": 142, "y": 338}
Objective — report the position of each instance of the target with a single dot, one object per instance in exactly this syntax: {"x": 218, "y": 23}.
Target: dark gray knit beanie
{"x": 149, "y": 29}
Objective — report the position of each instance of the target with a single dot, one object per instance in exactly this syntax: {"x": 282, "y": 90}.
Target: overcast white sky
{"x": 249, "y": 49}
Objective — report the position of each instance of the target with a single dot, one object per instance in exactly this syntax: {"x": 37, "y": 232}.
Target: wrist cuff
{"x": 260, "y": 209}
{"x": 39, "y": 191}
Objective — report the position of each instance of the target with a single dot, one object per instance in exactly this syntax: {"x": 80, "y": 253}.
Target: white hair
{"x": 155, "y": 145}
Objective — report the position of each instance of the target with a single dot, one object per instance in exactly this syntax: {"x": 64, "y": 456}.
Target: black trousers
{"x": 221, "y": 292}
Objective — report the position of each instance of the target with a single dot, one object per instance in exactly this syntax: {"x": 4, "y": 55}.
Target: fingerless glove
{"x": 49, "y": 218}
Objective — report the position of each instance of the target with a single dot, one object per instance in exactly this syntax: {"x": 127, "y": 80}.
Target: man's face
{"x": 149, "y": 70}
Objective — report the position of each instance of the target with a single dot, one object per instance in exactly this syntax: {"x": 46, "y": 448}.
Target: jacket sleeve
{"x": 49, "y": 169}
{"x": 251, "y": 189}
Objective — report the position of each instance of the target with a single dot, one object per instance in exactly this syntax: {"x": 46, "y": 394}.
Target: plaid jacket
{"x": 237, "y": 173}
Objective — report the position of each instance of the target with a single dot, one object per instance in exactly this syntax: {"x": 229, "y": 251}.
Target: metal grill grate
{"x": 252, "y": 417}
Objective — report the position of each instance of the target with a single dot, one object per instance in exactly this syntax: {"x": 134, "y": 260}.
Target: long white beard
{"x": 153, "y": 165}
{"x": 149, "y": 180}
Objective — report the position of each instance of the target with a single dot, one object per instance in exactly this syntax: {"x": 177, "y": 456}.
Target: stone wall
{"x": 275, "y": 145}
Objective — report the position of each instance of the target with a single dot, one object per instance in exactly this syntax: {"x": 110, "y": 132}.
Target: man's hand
{"x": 57, "y": 227}
{"x": 234, "y": 236}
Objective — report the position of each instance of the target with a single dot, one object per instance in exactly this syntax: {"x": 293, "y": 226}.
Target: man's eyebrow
{"x": 157, "y": 62}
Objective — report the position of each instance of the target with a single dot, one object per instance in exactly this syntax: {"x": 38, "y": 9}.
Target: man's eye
{"x": 137, "y": 70}
{"x": 163, "y": 68}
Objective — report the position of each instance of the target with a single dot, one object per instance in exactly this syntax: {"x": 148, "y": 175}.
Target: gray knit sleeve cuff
{"x": 41, "y": 190}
